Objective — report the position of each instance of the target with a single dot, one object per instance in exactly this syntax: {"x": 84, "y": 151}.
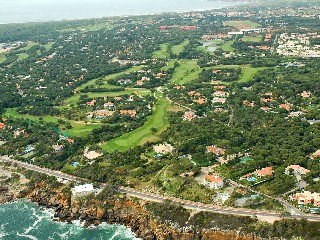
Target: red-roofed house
{"x": 213, "y": 181}
{"x": 264, "y": 172}
{"x": 220, "y": 87}
{"x": 297, "y": 170}
{"x": 69, "y": 140}
{"x": 201, "y": 101}
{"x": 216, "y": 150}
{"x": 285, "y": 106}
{"x": 315, "y": 154}
{"x": 132, "y": 113}
{"x": 189, "y": 116}
{"x": 2, "y": 126}
{"x": 91, "y": 103}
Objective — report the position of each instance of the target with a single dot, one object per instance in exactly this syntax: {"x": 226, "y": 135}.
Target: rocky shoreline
{"x": 111, "y": 208}
{"x": 123, "y": 211}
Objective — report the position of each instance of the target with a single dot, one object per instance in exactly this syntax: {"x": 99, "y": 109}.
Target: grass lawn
{"x": 48, "y": 46}
{"x": 22, "y": 56}
{"x": 29, "y": 45}
{"x": 177, "y": 49}
{"x": 227, "y": 46}
{"x": 2, "y": 58}
{"x": 242, "y": 24}
{"x": 89, "y": 28}
{"x": 108, "y": 77}
{"x": 186, "y": 72}
{"x": 143, "y": 134}
{"x": 78, "y": 129}
{"x": 163, "y": 52}
{"x": 252, "y": 39}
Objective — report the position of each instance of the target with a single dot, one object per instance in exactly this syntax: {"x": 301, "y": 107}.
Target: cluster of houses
{"x": 306, "y": 198}
{"x": 185, "y": 28}
{"x": 298, "y": 45}
{"x": 110, "y": 109}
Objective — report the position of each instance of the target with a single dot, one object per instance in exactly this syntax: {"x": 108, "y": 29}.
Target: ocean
{"x": 22, "y": 11}
{"x": 24, "y": 220}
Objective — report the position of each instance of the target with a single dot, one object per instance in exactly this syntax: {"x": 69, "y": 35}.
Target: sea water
{"x": 19, "y": 11}
{"x": 24, "y": 220}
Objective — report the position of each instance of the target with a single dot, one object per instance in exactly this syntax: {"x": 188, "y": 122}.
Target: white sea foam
{"x": 27, "y": 236}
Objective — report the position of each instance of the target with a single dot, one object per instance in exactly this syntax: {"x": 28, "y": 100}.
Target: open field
{"x": 177, "y": 49}
{"x": 143, "y": 134}
{"x": 79, "y": 129}
{"x": 29, "y": 45}
{"x": 241, "y": 24}
{"x": 186, "y": 72}
{"x": 252, "y": 39}
{"x": 89, "y": 28}
{"x": 48, "y": 46}
{"x": 227, "y": 46}
{"x": 108, "y": 77}
{"x": 247, "y": 73}
{"x": 22, "y": 56}
{"x": 163, "y": 52}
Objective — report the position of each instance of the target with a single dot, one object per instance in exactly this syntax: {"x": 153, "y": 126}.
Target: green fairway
{"x": 143, "y": 134}
{"x": 227, "y": 46}
{"x": 252, "y": 39}
{"x": 163, "y": 52}
{"x": 108, "y": 77}
{"x": 241, "y": 24}
{"x": 248, "y": 73}
{"x": 29, "y": 45}
{"x": 22, "y": 56}
{"x": 177, "y": 49}
{"x": 48, "y": 46}
{"x": 186, "y": 72}
{"x": 79, "y": 129}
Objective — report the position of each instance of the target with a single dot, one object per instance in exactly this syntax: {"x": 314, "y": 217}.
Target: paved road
{"x": 158, "y": 198}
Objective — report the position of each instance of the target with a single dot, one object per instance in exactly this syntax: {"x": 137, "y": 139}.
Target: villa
{"x": 163, "y": 148}
{"x": 307, "y": 198}
{"x": 216, "y": 150}
{"x": 315, "y": 154}
{"x": 264, "y": 172}
{"x": 83, "y": 189}
{"x": 131, "y": 113}
{"x": 189, "y": 116}
{"x": 296, "y": 170}
{"x": 213, "y": 181}
{"x": 2, "y": 126}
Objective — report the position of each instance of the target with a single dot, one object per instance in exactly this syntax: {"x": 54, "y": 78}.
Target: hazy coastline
{"x": 20, "y": 12}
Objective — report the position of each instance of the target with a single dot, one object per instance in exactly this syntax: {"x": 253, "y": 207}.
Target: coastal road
{"x": 265, "y": 215}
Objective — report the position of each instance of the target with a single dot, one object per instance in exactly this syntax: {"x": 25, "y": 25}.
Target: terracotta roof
{"x": 214, "y": 179}
{"x": 267, "y": 171}
{"x": 2, "y": 126}
{"x": 132, "y": 113}
{"x": 216, "y": 150}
